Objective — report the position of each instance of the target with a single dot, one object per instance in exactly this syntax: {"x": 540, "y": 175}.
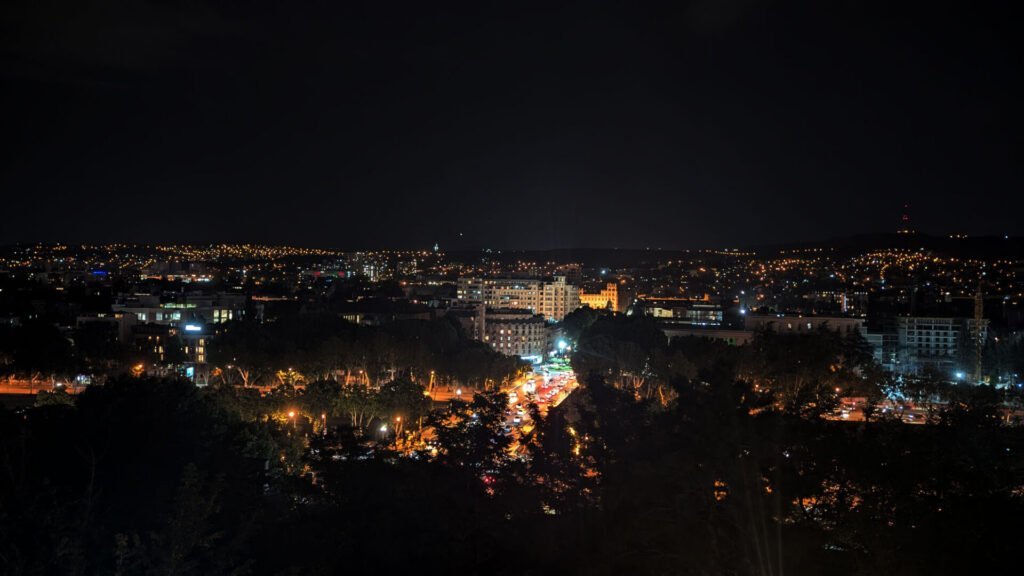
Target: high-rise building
{"x": 551, "y": 298}
{"x": 944, "y": 345}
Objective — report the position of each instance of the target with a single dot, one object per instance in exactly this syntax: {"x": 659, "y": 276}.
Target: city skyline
{"x": 720, "y": 287}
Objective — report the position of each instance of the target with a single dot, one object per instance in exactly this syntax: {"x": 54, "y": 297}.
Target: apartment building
{"x": 552, "y": 298}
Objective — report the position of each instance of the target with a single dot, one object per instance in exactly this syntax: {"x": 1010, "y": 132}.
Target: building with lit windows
{"x": 119, "y": 323}
{"x": 552, "y": 298}
{"x": 607, "y": 298}
{"x": 174, "y": 309}
{"x": 800, "y": 324}
{"x": 942, "y": 345}
{"x": 156, "y": 342}
{"x": 681, "y": 312}
{"x": 514, "y": 332}
{"x": 165, "y": 322}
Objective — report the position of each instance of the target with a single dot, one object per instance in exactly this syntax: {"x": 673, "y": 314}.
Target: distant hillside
{"x": 975, "y": 247}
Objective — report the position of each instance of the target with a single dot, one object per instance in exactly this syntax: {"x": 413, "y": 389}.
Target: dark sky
{"x": 507, "y": 125}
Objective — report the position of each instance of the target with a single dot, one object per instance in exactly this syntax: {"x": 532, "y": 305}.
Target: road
{"x": 28, "y": 387}
{"x": 548, "y": 387}
{"x": 852, "y": 410}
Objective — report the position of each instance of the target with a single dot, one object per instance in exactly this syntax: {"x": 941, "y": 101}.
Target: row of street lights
{"x": 323, "y": 418}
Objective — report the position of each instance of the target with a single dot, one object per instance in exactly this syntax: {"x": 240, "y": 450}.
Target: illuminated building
{"x": 605, "y": 299}
{"x": 173, "y": 309}
{"x": 194, "y": 338}
{"x": 514, "y": 332}
{"x": 551, "y": 298}
{"x": 155, "y": 341}
{"x": 937, "y": 344}
{"x": 681, "y": 312}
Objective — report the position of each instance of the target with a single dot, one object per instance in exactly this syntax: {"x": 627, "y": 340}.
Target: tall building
{"x": 607, "y": 298}
{"x": 884, "y": 348}
{"x": 551, "y": 298}
{"x": 944, "y": 345}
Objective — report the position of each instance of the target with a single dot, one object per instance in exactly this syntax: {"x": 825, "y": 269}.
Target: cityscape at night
{"x": 714, "y": 287}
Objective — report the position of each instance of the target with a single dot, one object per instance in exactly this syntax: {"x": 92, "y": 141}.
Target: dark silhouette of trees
{"x": 717, "y": 464}
{"x": 138, "y": 476}
{"x": 323, "y": 346}
{"x": 36, "y": 350}
{"x": 470, "y": 433}
{"x": 578, "y": 321}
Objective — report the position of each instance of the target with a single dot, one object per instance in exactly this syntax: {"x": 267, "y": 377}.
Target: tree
{"x": 470, "y": 433}
{"x": 97, "y": 345}
{"x": 39, "y": 349}
{"x": 403, "y": 399}
{"x": 578, "y": 321}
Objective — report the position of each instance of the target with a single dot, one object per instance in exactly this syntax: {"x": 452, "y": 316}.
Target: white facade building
{"x": 512, "y": 332}
{"x": 551, "y": 298}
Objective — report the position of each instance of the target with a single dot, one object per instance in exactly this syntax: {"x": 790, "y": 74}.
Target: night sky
{"x": 382, "y": 124}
